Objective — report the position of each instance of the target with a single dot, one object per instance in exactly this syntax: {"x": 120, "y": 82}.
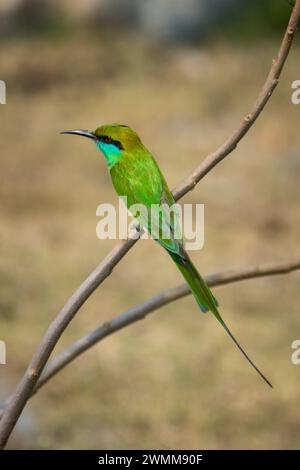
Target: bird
{"x": 136, "y": 175}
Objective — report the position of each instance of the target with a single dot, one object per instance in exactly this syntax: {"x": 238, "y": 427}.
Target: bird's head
{"x": 113, "y": 140}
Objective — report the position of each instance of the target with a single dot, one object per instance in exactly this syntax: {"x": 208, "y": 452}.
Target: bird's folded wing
{"x": 162, "y": 222}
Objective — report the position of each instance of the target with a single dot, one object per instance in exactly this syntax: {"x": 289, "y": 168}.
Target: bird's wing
{"x": 145, "y": 186}
{"x": 161, "y": 220}
{"x": 171, "y": 225}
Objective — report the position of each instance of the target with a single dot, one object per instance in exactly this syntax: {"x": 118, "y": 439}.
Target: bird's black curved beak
{"x": 81, "y": 132}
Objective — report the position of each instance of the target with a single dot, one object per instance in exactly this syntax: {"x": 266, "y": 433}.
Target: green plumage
{"x": 136, "y": 175}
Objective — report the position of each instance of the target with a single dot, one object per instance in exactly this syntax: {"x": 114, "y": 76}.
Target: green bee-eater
{"x": 136, "y": 175}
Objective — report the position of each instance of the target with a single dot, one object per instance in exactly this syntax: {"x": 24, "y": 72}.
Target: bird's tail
{"x": 207, "y": 301}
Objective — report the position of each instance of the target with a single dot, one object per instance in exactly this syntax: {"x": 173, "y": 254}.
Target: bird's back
{"x": 138, "y": 176}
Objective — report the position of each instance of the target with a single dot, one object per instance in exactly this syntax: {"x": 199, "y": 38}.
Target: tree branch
{"x": 27, "y": 384}
{"x": 142, "y": 310}
{"x": 231, "y": 143}
{"x": 23, "y": 391}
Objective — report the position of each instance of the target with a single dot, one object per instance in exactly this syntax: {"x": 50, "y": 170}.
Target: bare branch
{"x": 27, "y": 384}
{"x": 231, "y": 143}
{"x": 52, "y": 335}
{"x": 142, "y": 310}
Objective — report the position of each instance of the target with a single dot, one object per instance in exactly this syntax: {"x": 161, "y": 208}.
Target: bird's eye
{"x": 109, "y": 140}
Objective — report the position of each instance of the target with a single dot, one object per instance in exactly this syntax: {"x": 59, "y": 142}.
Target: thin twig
{"x": 52, "y": 335}
{"x": 143, "y": 309}
{"x": 269, "y": 86}
{"x": 26, "y": 386}
{"x": 140, "y": 311}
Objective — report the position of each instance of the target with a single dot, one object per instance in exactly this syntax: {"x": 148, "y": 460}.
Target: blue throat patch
{"x": 110, "y": 151}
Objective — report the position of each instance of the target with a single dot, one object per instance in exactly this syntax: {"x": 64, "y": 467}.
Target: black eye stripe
{"x": 109, "y": 140}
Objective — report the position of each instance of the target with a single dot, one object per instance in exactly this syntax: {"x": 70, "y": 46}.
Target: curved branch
{"x": 269, "y": 86}
{"x": 23, "y": 391}
{"x": 140, "y": 311}
{"x": 26, "y": 386}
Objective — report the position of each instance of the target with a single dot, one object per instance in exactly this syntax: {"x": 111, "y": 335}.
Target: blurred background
{"x": 182, "y": 74}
